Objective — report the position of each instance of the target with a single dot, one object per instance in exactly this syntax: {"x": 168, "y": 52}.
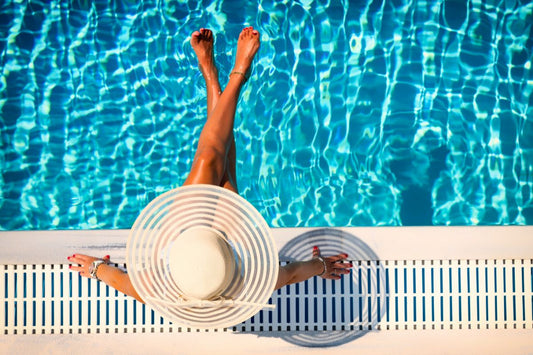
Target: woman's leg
{"x": 202, "y": 42}
{"x": 214, "y": 162}
{"x": 229, "y": 180}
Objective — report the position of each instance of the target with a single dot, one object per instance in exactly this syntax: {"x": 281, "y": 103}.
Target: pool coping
{"x": 388, "y": 243}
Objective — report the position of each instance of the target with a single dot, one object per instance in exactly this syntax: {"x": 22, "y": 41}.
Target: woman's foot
{"x": 247, "y": 47}
{"x": 202, "y": 42}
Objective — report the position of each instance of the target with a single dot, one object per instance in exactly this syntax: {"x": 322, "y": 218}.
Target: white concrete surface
{"x": 388, "y": 243}
{"x": 487, "y": 342}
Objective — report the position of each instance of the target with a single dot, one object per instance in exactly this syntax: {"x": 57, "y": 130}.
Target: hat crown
{"x": 202, "y": 263}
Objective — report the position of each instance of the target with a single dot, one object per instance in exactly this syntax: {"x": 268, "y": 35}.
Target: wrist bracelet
{"x": 93, "y": 268}
{"x": 325, "y": 265}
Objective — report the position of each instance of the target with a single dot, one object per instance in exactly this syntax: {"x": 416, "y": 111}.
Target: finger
{"x": 76, "y": 268}
{"x": 78, "y": 258}
{"x": 316, "y": 252}
{"x": 106, "y": 259}
{"x": 73, "y": 259}
{"x": 338, "y": 257}
{"x": 84, "y": 274}
{"x": 341, "y": 271}
{"x": 80, "y": 270}
{"x": 342, "y": 265}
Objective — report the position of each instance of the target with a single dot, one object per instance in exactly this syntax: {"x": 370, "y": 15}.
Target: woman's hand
{"x": 334, "y": 265}
{"x": 83, "y": 262}
{"x": 110, "y": 275}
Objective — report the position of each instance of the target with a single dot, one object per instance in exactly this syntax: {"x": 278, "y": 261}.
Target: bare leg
{"x": 202, "y": 42}
{"x": 229, "y": 180}
{"x": 216, "y": 145}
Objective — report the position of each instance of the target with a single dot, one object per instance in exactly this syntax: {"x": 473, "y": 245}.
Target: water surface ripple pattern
{"x": 374, "y": 113}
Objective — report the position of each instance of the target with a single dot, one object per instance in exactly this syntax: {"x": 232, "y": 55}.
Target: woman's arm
{"x": 106, "y": 273}
{"x": 331, "y": 268}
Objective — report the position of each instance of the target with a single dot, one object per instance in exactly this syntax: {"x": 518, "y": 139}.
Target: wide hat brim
{"x": 183, "y": 208}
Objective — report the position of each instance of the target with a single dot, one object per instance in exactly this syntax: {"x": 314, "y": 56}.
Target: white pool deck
{"x": 504, "y": 246}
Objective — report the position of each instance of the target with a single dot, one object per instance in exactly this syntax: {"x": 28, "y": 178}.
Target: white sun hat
{"x": 203, "y": 257}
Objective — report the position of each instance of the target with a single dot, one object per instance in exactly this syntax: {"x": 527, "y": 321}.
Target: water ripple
{"x": 376, "y": 113}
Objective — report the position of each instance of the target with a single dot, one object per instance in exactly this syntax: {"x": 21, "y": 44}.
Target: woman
{"x": 214, "y": 162}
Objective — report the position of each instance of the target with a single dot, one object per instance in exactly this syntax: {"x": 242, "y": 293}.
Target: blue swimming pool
{"x": 357, "y": 113}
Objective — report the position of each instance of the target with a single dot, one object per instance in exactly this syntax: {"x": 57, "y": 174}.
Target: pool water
{"x": 356, "y": 114}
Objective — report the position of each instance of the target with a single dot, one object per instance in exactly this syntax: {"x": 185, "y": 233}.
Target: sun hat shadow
{"x": 326, "y": 313}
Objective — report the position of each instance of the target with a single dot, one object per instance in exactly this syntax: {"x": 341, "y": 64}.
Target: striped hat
{"x": 203, "y": 257}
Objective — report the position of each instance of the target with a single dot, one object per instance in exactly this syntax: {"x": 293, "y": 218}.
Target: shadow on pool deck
{"x": 366, "y": 292}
